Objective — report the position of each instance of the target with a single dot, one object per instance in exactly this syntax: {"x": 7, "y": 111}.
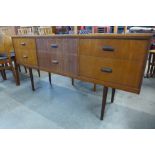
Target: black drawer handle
{"x": 108, "y": 48}
{"x": 23, "y": 44}
{"x": 54, "y": 46}
{"x": 106, "y": 70}
{"x": 55, "y": 61}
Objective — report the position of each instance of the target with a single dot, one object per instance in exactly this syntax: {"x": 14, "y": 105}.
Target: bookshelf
{"x": 77, "y": 29}
{"x": 8, "y": 30}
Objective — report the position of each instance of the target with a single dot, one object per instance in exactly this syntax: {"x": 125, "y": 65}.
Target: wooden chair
{"x": 5, "y": 57}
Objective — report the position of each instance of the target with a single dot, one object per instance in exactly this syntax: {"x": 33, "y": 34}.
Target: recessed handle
{"x": 55, "y": 61}
{"x": 108, "y": 48}
{"x": 54, "y": 46}
{"x": 106, "y": 70}
{"x": 25, "y": 56}
{"x": 23, "y": 44}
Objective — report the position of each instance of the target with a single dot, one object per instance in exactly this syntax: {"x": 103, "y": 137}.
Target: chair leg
{"x": 31, "y": 77}
{"x": 113, "y": 95}
{"x": 49, "y": 75}
{"x": 72, "y": 81}
{"x": 94, "y": 88}
{"x": 2, "y": 74}
{"x": 14, "y": 72}
{"x": 104, "y": 98}
{"x": 38, "y": 72}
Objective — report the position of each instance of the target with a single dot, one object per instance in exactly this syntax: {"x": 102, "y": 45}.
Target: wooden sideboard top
{"x": 110, "y": 35}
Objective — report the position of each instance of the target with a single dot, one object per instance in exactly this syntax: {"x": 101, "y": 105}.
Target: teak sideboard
{"x": 112, "y": 60}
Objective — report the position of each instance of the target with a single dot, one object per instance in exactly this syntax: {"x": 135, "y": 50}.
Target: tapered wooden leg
{"x": 113, "y": 95}
{"x": 17, "y": 72}
{"x": 49, "y": 75}
{"x": 38, "y": 72}
{"x": 94, "y": 88}
{"x": 152, "y": 66}
{"x": 72, "y": 81}
{"x": 25, "y": 69}
{"x": 4, "y": 74}
{"x": 104, "y": 98}
{"x": 31, "y": 77}
{"x": 149, "y": 65}
{"x": 19, "y": 68}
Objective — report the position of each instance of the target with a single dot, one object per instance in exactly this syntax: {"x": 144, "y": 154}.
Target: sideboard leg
{"x": 38, "y": 72}
{"x": 94, "y": 89}
{"x": 113, "y": 95}
{"x": 72, "y": 81}
{"x": 104, "y": 98}
{"x": 19, "y": 68}
{"x": 149, "y": 65}
{"x": 49, "y": 75}
{"x": 17, "y": 73}
{"x": 32, "y": 81}
{"x": 25, "y": 69}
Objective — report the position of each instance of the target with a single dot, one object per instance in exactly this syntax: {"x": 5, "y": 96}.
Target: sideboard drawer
{"x": 114, "y": 48}
{"x": 50, "y": 45}
{"x": 111, "y": 70}
{"x": 24, "y": 43}
{"x": 25, "y": 50}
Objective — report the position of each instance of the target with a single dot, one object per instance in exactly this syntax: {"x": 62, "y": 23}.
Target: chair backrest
{"x": 6, "y": 45}
{"x": 46, "y": 30}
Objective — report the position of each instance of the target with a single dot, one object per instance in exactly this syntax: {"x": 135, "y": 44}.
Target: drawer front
{"x": 25, "y": 54}
{"x": 26, "y": 57}
{"x": 50, "y": 60}
{"x": 50, "y": 45}
{"x": 24, "y": 43}
{"x": 122, "y": 72}
{"x": 114, "y": 48}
